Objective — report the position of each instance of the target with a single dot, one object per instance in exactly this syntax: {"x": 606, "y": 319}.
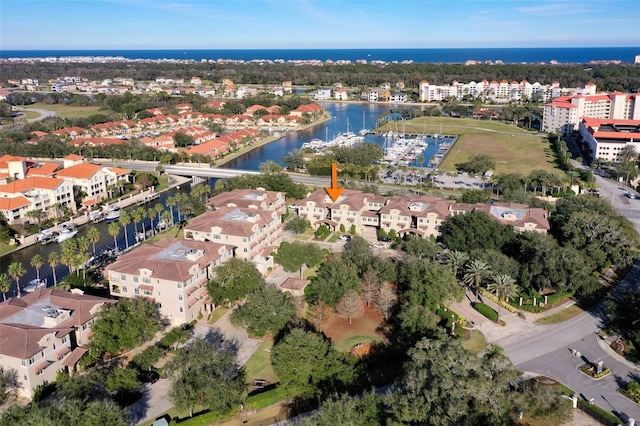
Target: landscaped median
{"x": 486, "y": 310}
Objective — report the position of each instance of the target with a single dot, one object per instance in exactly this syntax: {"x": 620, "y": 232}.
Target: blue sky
{"x": 291, "y": 24}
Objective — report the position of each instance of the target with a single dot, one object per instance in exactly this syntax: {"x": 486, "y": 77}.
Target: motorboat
{"x": 96, "y": 216}
{"x": 67, "y": 230}
{"x": 161, "y": 226}
{"x": 46, "y": 236}
{"x": 34, "y": 285}
{"x": 113, "y": 213}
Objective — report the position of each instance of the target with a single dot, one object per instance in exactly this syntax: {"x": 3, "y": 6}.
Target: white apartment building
{"x": 494, "y": 91}
{"x": 606, "y": 138}
{"x": 20, "y": 196}
{"x": 92, "y": 179}
{"x": 565, "y": 112}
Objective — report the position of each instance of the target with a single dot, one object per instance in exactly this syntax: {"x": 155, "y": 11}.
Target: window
{"x": 65, "y": 339}
{"x": 124, "y": 289}
{"x": 23, "y": 363}
{"x": 146, "y": 280}
{"x": 179, "y": 297}
{"x": 137, "y": 292}
{"x": 181, "y": 310}
{"x": 147, "y": 292}
{"x": 123, "y": 277}
{"x": 135, "y": 279}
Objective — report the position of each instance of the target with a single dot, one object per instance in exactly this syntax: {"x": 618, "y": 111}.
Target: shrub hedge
{"x": 486, "y": 310}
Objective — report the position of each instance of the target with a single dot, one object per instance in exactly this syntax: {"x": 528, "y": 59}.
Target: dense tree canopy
{"x": 295, "y": 255}
{"x": 233, "y": 280}
{"x": 304, "y": 360}
{"x": 125, "y": 325}
{"x": 204, "y": 374}
{"x": 475, "y": 230}
{"x": 267, "y": 310}
{"x": 269, "y": 181}
{"x": 67, "y": 411}
{"x": 335, "y": 277}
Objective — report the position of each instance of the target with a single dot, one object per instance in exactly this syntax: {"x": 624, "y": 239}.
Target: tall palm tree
{"x": 504, "y": 287}
{"x": 141, "y": 212}
{"x": 475, "y": 272}
{"x": 171, "y": 201}
{"x": 53, "y": 262}
{"x": 37, "y": 261}
{"x": 158, "y": 209}
{"x": 82, "y": 243}
{"x": 124, "y": 220}
{"x": 136, "y": 216}
{"x": 16, "y": 271}
{"x": 93, "y": 235}
{"x": 5, "y": 285}
{"x": 151, "y": 214}
{"x": 166, "y": 217}
{"x": 69, "y": 249}
{"x": 114, "y": 229}
{"x": 456, "y": 260}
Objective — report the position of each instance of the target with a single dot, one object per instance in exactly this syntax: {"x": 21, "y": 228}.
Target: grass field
{"x": 258, "y": 366}
{"x": 67, "y": 111}
{"x": 515, "y": 149}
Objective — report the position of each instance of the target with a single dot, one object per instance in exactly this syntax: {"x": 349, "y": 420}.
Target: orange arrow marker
{"x": 333, "y": 191}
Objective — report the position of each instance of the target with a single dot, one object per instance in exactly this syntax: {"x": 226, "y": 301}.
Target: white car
{"x": 345, "y": 237}
{"x": 378, "y": 246}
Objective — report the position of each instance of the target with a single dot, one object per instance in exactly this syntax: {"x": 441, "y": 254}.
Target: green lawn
{"x": 475, "y": 342}
{"x": 67, "y": 111}
{"x": 515, "y": 149}
{"x": 217, "y": 314}
{"x": 563, "y": 315}
{"x": 259, "y": 365}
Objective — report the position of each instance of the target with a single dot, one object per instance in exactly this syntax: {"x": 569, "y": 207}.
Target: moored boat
{"x": 34, "y": 285}
{"x": 67, "y": 230}
{"x": 113, "y": 213}
{"x": 96, "y": 216}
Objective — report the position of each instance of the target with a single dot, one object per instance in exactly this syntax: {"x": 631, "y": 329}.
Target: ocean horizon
{"x": 579, "y": 55}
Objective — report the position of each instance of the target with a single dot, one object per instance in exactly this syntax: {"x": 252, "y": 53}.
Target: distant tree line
{"x": 622, "y": 77}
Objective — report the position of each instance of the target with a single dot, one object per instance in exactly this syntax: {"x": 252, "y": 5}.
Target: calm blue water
{"x": 507, "y": 55}
{"x": 345, "y": 117}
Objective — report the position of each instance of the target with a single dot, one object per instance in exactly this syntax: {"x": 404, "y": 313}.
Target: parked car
{"x": 345, "y": 237}
{"x": 148, "y": 376}
{"x": 384, "y": 239}
{"x": 630, "y": 195}
{"x": 378, "y": 246}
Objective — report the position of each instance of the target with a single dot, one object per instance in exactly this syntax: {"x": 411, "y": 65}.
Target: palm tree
{"x": 456, "y": 259}
{"x": 158, "y": 209}
{"x": 16, "y": 270}
{"x": 171, "y": 201}
{"x": 504, "y": 287}
{"x": 93, "y": 236}
{"x": 5, "y": 285}
{"x": 151, "y": 214}
{"x": 124, "y": 220}
{"x": 141, "y": 213}
{"x": 37, "y": 261}
{"x": 53, "y": 262}
{"x": 475, "y": 272}
{"x": 166, "y": 217}
{"x": 136, "y": 216}
{"x": 69, "y": 249}
{"x": 114, "y": 229}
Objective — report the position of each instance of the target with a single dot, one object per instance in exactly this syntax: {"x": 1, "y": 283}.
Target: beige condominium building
{"x": 170, "y": 272}
{"x": 44, "y": 332}
{"x": 606, "y": 138}
{"x": 417, "y": 215}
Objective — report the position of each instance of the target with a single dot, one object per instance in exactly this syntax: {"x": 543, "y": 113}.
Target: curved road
{"x": 44, "y": 113}
{"x": 547, "y": 349}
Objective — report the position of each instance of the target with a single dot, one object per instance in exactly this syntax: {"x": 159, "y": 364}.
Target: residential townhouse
{"x": 417, "y": 215}
{"x": 170, "y": 272}
{"x": 564, "y": 113}
{"x": 606, "y": 138}
{"x": 341, "y": 94}
{"x": 44, "y": 332}
{"x": 254, "y": 233}
{"x": 92, "y": 179}
{"x": 20, "y": 196}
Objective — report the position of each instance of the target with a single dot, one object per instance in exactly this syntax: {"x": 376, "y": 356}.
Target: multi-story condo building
{"x": 494, "y": 91}
{"x": 171, "y": 272}
{"x": 564, "y": 113}
{"x": 43, "y": 194}
{"x": 260, "y": 199}
{"x": 92, "y": 179}
{"x": 606, "y": 138}
{"x": 254, "y": 233}
{"x": 418, "y": 215}
{"x": 45, "y": 332}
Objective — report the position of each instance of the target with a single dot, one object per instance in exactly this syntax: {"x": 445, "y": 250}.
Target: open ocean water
{"x": 580, "y": 55}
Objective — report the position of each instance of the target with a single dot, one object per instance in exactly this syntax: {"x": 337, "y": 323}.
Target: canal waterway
{"x": 352, "y": 117}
